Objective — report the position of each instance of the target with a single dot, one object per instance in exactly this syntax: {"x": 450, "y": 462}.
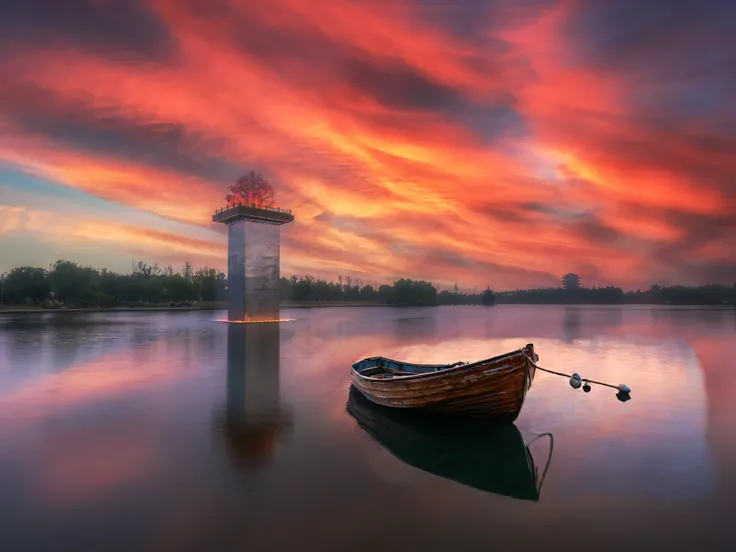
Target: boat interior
{"x": 378, "y": 367}
{"x": 382, "y": 367}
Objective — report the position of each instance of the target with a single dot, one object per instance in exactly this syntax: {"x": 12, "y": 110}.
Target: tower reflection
{"x": 253, "y": 418}
{"x": 571, "y": 324}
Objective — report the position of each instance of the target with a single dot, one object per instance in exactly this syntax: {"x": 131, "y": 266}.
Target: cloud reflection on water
{"x": 650, "y": 444}
{"x": 134, "y": 423}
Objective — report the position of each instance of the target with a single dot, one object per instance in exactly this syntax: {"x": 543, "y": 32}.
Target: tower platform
{"x": 237, "y": 213}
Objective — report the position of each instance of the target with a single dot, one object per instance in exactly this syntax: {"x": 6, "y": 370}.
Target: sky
{"x": 497, "y": 142}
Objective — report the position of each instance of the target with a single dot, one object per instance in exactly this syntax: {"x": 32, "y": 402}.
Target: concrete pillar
{"x": 253, "y": 276}
{"x": 253, "y": 271}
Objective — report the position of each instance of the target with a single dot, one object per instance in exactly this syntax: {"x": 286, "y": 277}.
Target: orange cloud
{"x": 70, "y": 231}
{"x": 503, "y": 147}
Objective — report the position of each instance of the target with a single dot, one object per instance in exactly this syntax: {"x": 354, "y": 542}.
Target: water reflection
{"x": 488, "y": 457}
{"x": 107, "y": 429}
{"x": 643, "y": 443}
{"x": 571, "y": 324}
{"x": 413, "y": 325}
{"x": 253, "y": 416}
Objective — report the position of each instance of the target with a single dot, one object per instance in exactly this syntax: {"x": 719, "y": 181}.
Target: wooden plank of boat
{"x": 489, "y": 457}
{"x": 494, "y": 387}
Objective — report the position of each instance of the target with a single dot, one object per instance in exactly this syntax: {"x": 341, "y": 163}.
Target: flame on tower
{"x": 251, "y": 189}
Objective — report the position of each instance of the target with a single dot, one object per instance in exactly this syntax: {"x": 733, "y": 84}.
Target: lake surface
{"x": 174, "y": 431}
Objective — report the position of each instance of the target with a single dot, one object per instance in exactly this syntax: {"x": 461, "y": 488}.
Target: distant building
{"x": 570, "y": 281}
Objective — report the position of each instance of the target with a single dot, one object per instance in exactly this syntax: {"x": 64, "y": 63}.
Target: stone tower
{"x": 253, "y": 277}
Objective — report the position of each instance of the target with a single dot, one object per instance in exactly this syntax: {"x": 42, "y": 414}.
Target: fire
{"x": 251, "y": 189}
{"x": 251, "y": 321}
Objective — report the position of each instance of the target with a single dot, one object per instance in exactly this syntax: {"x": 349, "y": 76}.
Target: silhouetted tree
{"x": 26, "y": 285}
{"x": 251, "y": 189}
{"x": 144, "y": 269}
{"x": 210, "y": 284}
{"x": 368, "y": 293}
{"x": 72, "y": 283}
{"x": 187, "y": 272}
{"x": 413, "y": 292}
{"x": 179, "y": 290}
{"x": 385, "y": 293}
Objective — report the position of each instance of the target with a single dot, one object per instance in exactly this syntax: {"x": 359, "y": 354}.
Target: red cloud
{"x": 501, "y": 155}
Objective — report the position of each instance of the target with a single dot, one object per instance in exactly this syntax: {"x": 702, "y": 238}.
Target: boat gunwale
{"x": 438, "y": 373}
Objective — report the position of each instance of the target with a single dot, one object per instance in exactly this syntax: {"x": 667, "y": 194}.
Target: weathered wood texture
{"x": 494, "y": 387}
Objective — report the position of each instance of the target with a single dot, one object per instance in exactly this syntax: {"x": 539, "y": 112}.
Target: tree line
{"x": 656, "y": 294}
{"x": 70, "y": 284}
{"x": 308, "y": 289}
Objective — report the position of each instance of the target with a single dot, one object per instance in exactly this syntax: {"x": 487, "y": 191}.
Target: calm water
{"x": 133, "y": 431}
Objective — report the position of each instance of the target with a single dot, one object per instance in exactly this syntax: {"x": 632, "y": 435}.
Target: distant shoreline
{"x": 40, "y": 310}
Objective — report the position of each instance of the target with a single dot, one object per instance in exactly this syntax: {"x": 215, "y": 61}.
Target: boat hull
{"x": 493, "y": 388}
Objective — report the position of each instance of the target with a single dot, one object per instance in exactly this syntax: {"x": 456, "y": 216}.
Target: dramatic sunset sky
{"x": 499, "y": 142}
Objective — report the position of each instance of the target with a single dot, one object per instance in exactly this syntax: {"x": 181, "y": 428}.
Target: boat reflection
{"x": 489, "y": 457}
{"x": 253, "y": 417}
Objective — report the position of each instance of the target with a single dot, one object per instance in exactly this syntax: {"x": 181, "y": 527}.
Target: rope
{"x": 586, "y": 380}
{"x": 540, "y": 482}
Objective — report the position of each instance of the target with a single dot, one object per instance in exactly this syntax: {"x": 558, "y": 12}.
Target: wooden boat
{"x": 489, "y": 457}
{"x": 494, "y": 388}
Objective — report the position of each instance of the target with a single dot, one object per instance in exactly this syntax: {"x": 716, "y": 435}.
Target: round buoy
{"x": 623, "y": 396}
{"x": 586, "y": 387}
{"x": 576, "y": 381}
